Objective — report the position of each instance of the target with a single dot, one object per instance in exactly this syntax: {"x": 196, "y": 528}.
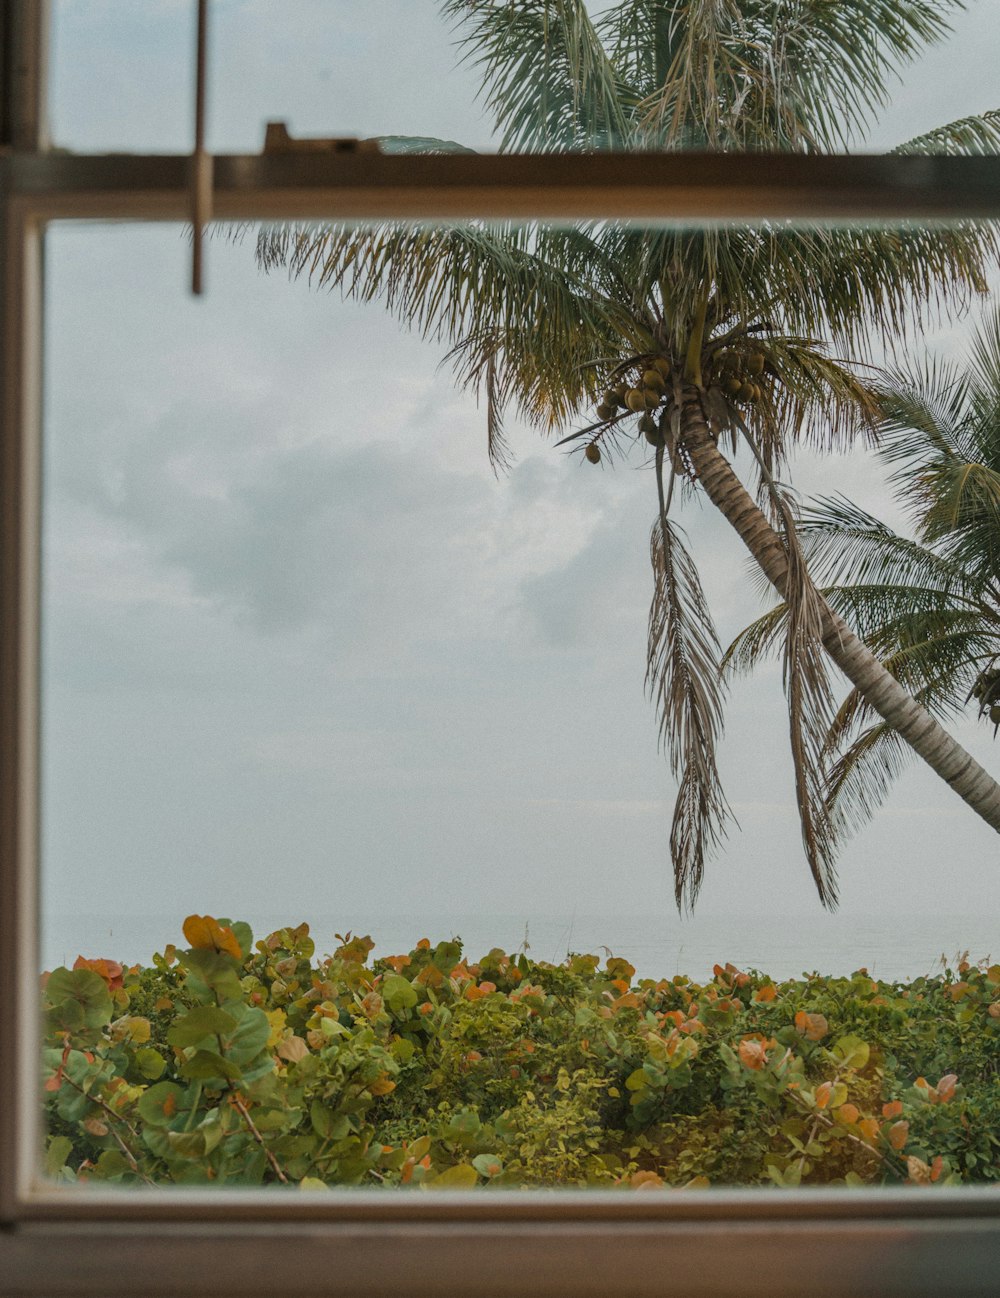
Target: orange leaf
{"x": 898, "y": 1133}
{"x": 766, "y": 993}
{"x": 472, "y": 993}
{"x": 946, "y": 1087}
{"x": 110, "y": 970}
{"x": 823, "y": 1093}
{"x": 811, "y": 1026}
{"x": 893, "y": 1109}
{"x": 206, "y": 933}
{"x": 847, "y": 1113}
{"x": 869, "y": 1129}
{"x": 292, "y": 1049}
{"x": 645, "y": 1181}
{"x": 487, "y": 988}
{"x": 752, "y": 1052}
{"x": 937, "y": 1167}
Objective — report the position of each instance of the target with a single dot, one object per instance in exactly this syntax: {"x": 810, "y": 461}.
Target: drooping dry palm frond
{"x": 682, "y": 677}
{"x": 807, "y": 688}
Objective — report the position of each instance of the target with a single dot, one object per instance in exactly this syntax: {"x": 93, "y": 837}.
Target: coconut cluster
{"x": 642, "y": 398}
{"x": 986, "y": 692}
{"x": 737, "y": 375}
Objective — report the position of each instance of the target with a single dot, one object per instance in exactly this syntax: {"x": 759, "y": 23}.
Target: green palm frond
{"x": 859, "y": 780}
{"x": 862, "y": 776}
{"x": 546, "y": 77}
{"x": 845, "y": 544}
{"x": 967, "y": 137}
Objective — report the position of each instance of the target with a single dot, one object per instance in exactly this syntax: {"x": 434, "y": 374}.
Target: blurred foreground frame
{"x": 56, "y": 1240}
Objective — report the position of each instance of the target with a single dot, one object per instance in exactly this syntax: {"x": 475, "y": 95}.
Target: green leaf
{"x": 161, "y": 1103}
{"x": 488, "y": 1165}
{"x": 197, "y": 1143}
{"x": 150, "y": 1063}
{"x": 327, "y": 1123}
{"x": 213, "y": 971}
{"x": 851, "y": 1051}
{"x": 398, "y": 993}
{"x": 111, "y": 1165}
{"x": 77, "y": 999}
{"x": 204, "y": 1021}
{"x": 460, "y": 1177}
{"x": 207, "y": 1065}
{"x": 59, "y": 1149}
{"x": 403, "y": 1050}
{"x": 249, "y": 1034}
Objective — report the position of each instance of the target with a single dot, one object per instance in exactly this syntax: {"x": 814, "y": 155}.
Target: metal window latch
{"x": 277, "y": 140}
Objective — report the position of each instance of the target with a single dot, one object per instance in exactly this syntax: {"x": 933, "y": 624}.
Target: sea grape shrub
{"x": 234, "y": 1062}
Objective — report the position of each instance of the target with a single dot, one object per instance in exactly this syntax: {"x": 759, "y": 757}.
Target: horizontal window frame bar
{"x": 909, "y": 1259}
{"x": 679, "y": 189}
{"x": 51, "y": 1202}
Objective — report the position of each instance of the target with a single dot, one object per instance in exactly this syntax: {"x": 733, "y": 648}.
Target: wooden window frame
{"x": 60, "y": 1240}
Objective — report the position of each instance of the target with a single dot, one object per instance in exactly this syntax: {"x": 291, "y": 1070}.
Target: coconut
{"x": 755, "y": 364}
{"x": 652, "y": 397}
{"x": 654, "y": 436}
{"x": 593, "y": 453}
{"x": 614, "y": 397}
{"x": 635, "y": 400}
{"x": 647, "y": 424}
{"x": 662, "y": 363}
{"x": 995, "y": 714}
{"x": 747, "y": 391}
{"x": 605, "y": 411}
{"x": 653, "y": 379}
{"x": 732, "y": 385}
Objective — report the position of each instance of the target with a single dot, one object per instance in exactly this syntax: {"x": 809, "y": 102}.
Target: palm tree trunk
{"x": 878, "y": 687}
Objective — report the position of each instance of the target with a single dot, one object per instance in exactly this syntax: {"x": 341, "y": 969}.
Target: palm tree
{"x": 698, "y": 341}
{"x": 929, "y": 606}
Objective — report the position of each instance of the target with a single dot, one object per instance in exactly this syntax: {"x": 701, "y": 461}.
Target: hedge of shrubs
{"x": 238, "y": 1063}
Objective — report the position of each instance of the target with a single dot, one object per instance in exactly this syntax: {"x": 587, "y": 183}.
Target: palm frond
{"x": 967, "y": 137}
{"x": 860, "y": 779}
{"x": 746, "y": 74}
{"x": 848, "y": 545}
{"x": 682, "y": 677}
{"x": 546, "y": 76}
{"x": 807, "y": 687}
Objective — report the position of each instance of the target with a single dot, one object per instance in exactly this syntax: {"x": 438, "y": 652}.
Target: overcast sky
{"x": 303, "y": 652}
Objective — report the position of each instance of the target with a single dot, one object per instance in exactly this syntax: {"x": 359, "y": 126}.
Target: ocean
{"x": 658, "y": 945}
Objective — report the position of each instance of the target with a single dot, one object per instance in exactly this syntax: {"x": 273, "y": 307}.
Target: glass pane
{"x": 540, "y": 75}
{"x": 307, "y": 658}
